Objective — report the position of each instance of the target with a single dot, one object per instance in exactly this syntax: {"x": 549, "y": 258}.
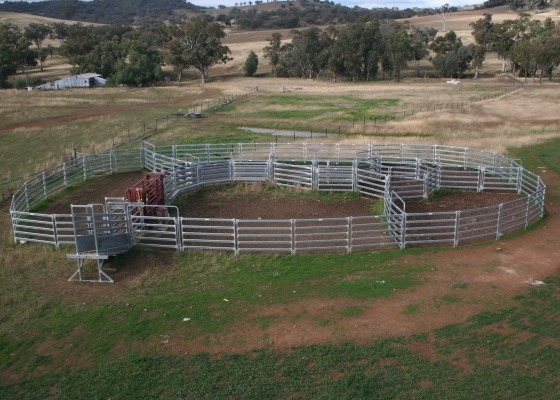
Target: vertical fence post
{"x": 64, "y": 175}
{"x": 456, "y": 234}
{"x": 481, "y": 175}
{"x": 235, "y": 239}
{"x": 113, "y": 155}
{"x": 403, "y": 230}
{"x": 355, "y": 175}
{"x": 44, "y": 179}
{"x": 499, "y": 222}
{"x": 293, "y": 236}
{"x": 519, "y": 179}
{"x": 84, "y": 166}
{"x": 527, "y": 211}
{"x": 231, "y": 170}
{"x": 314, "y": 174}
{"x": 349, "y": 236}
{"x": 55, "y": 232}
{"x": 541, "y": 191}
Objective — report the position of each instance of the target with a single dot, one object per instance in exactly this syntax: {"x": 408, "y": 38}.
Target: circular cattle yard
{"x": 262, "y": 201}
{"x": 483, "y": 276}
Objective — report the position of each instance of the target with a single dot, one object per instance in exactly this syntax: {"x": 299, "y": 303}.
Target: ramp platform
{"x": 99, "y": 235}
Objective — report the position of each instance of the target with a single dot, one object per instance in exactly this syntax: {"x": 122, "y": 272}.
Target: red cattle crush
{"x": 148, "y": 191}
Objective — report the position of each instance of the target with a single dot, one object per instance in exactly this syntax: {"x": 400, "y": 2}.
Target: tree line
{"x": 359, "y": 51}
{"x": 520, "y": 5}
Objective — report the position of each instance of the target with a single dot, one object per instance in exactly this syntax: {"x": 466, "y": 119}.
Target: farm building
{"x": 75, "y": 81}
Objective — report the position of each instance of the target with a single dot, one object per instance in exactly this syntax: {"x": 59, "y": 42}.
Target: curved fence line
{"x": 394, "y": 173}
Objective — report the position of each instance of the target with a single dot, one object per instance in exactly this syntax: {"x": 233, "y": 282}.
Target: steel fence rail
{"x": 393, "y": 173}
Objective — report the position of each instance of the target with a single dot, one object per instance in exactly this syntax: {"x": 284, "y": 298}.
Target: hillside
{"x": 23, "y": 19}
{"x": 280, "y": 14}
{"x": 105, "y": 11}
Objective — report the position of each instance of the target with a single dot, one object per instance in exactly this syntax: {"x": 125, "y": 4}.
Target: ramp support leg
{"x": 80, "y": 275}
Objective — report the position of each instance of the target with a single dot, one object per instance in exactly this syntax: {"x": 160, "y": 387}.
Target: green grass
{"x": 309, "y": 112}
{"x": 502, "y": 354}
{"x": 539, "y": 156}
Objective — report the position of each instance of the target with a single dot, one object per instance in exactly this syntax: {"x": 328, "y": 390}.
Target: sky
{"x": 402, "y": 4}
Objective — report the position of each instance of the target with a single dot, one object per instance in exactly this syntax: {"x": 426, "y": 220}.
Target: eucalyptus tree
{"x": 452, "y": 58}
{"x": 141, "y": 67}
{"x": 10, "y": 39}
{"x": 37, "y": 33}
{"x": 197, "y": 42}
{"x": 273, "y": 52}
{"x": 398, "y": 47}
{"x": 502, "y": 38}
{"x": 537, "y": 51}
{"x": 482, "y": 33}
{"x": 442, "y": 12}
{"x": 15, "y": 52}
{"x": 545, "y": 48}
{"x": 421, "y": 38}
{"x": 356, "y": 51}
{"x": 103, "y": 58}
{"x": 306, "y": 55}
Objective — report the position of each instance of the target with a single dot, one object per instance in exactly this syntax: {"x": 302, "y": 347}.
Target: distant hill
{"x": 256, "y": 14}
{"x": 246, "y": 15}
{"x": 22, "y": 19}
{"x": 105, "y": 11}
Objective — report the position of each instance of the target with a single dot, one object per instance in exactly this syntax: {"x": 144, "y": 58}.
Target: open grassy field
{"x": 420, "y": 323}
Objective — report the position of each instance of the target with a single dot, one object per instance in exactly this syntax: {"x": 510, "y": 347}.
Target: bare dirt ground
{"x": 488, "y": 276}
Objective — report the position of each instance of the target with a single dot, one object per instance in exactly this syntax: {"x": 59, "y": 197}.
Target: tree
{"x": 546, "y": 49}
{"x": 356, "y": 51}
{"x": 503, "y": 38}
{"x": 453, "y": 63}
{"x": 421, "y": 38}
{"x": 442, "y": 13}
{"x": 398, "y": 47}
{"x": 446, "y": 43}
{"x": 9, "y": 51}
{"x": 251, "y": 64}
{"x": 140, "y": 68}
{"x": 176, "y": 59}
{"x": 37, "y": 33}
{"x": 103, "y": 59}
{"x": 198, "y": 43}
{"x": 482, "y": 33}
{"x": 273, "y": 51}
{"x": 305, "y": 56}
{"x": 42, "y": 55}
{"x": 452, "y": 57}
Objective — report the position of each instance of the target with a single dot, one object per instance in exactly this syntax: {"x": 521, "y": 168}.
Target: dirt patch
{"x": 266, "y": 202}
{"x": 460, "y": 200}
{"x": 93, "y": 191}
